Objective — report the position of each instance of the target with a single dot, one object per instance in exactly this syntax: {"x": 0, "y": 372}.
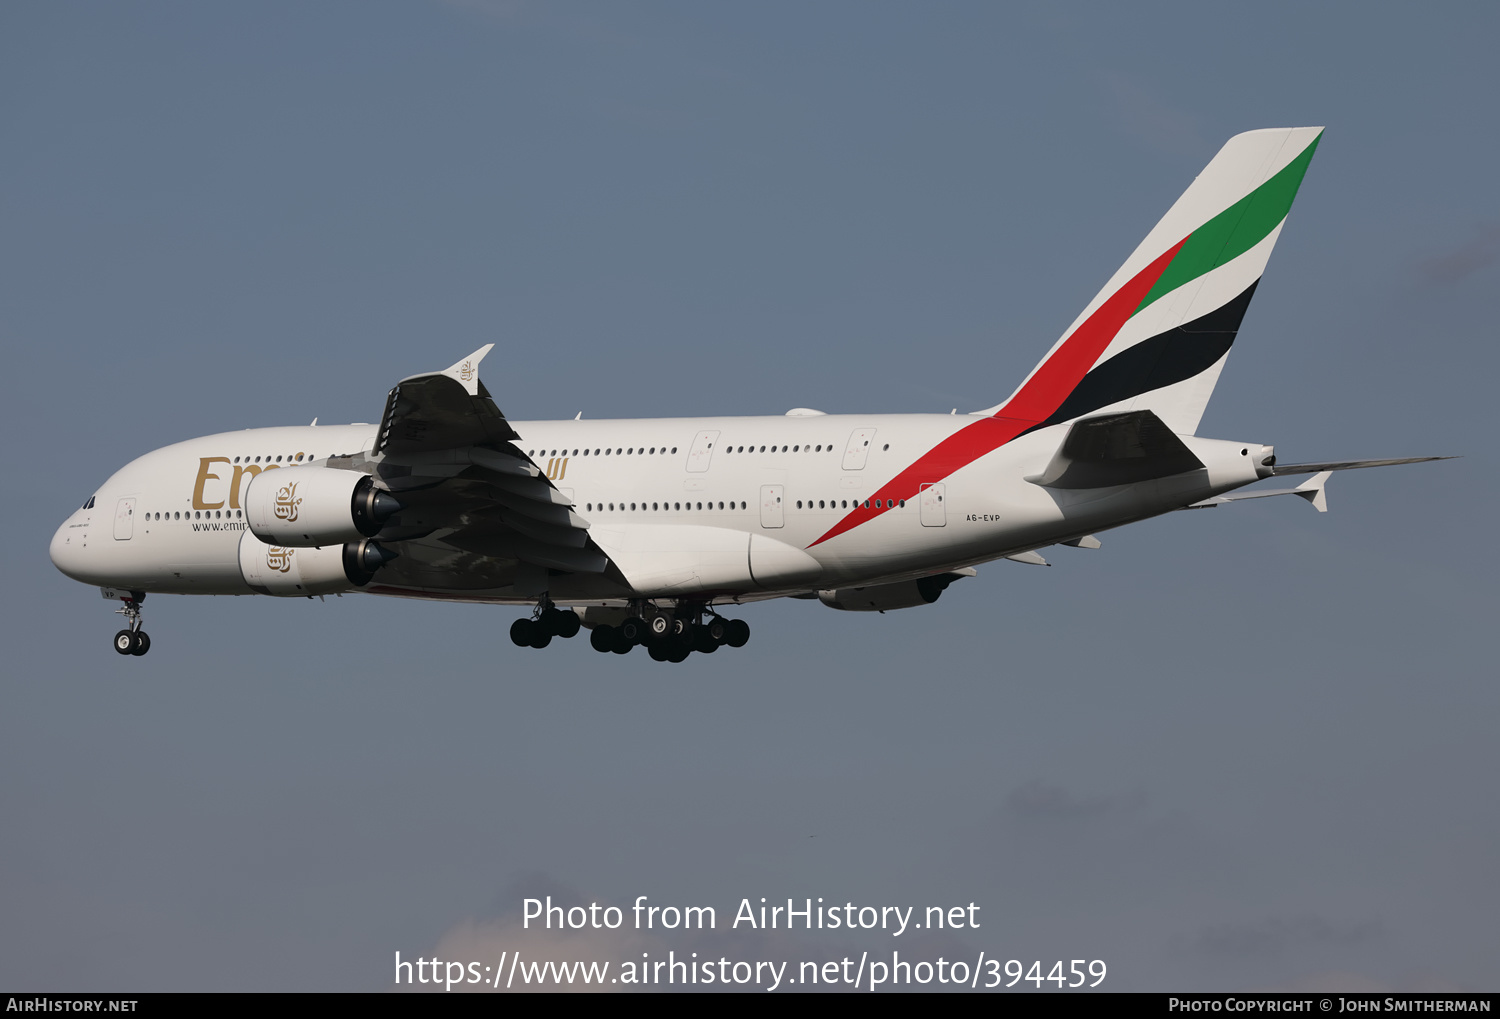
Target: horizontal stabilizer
{"x": 1117, "y": 449}
{"x": 1311, "y": 490}
{"x": 1349, "y": 465}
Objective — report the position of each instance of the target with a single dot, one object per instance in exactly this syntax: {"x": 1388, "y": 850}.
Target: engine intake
{"x": 315, "y": 506}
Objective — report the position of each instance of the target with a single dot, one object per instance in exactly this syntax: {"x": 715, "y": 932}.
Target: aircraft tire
{"x": 603, "y": 638}
{"x": 718, "y": 630}
{"x": 703, "y": 641}
{"x": 142, "y": 643}
{"x": 566, "y": 623}
{"x": 125, "y": 642}
{"x": 622, "y": 646}
{"x": 522, "y": 632}
{"x": 678, "y": 653}
{"x": 541, "y": 637}
{"x": 739, "y": 633}
{"x": 657, "y": 652}
{"x": 634, "y": 630}
{"x": 660, "y": 626}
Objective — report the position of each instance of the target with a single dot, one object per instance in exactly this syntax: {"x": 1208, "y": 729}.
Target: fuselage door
{"x": 124, "y": 519}
{"x": 933, "y": 512}
{"x": 858, "y": 449}
{"x": 772, "y": 506}
{"x": 702, "y": 451}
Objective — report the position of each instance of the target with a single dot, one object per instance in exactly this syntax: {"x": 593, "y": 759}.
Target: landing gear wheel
{"x": 660, "y": 626}
{"x": 603, "y": 638}
{"x": 718, "y": 630}
{"x": 657, "y": 652}
{"x": 125, "y": 642}
{"x": 522, "y": 632}
{"x": 738, "y": 633}
{"x": 559, "y": 623}
{"x": 540, "y": 637}
{"x": 634, "y": 630}
{"x": 677, "y": 653}
{"x": 142, "y": 643}
{"x": 703, "y": 640}
{"x": 622, "y": 646}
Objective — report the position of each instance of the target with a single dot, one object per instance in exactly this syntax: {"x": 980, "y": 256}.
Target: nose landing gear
{"x": 132, "y": 640}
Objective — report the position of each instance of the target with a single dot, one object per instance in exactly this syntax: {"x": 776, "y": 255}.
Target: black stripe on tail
{"x": 1163, "y": 360}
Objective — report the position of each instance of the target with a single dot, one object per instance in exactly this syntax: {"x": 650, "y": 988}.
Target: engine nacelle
{"x": 311, "y": 506}
{"x": 881, "y": 597}
{"x": 301, "y": 572}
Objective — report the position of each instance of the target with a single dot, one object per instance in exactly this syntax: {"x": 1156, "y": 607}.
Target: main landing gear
{"x": 548, "y": 622}
{"x": 132, "y": 640}
{"x": 671, "y": 637}
{"x": 667, "y": 635}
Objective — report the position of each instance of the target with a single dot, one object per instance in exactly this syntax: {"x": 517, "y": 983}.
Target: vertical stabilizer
{"x": 1156, "y": 337}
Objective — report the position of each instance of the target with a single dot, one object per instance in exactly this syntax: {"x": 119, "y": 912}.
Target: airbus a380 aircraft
{"x": 646, "y": 528}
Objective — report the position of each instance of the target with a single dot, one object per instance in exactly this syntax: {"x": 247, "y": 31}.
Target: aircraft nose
{"x": 69, "y": 546}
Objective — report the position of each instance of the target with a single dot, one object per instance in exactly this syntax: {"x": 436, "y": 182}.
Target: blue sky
{"x": 1241, "y": 749}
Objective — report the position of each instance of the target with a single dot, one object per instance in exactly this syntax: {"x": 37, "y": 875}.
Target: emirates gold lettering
{"x": 557, "y": 467}
{"x": 203, "y": 491}
{"x": 204, "y": 477}
{"x": 286, "y": 503}
{"x": 241, "y": 471}
{"x": 279, "y": 559}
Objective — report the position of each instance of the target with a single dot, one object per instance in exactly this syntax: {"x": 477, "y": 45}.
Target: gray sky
{"x": 1247, "y": 748}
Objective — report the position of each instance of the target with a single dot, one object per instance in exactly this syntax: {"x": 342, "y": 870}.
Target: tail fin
{"x": 1156, "y": 337}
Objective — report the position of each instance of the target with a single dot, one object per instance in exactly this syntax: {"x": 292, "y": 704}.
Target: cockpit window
{"x": 89, "y": 504}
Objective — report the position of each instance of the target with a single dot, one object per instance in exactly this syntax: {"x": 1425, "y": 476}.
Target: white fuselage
{"x": 667, "y": 499}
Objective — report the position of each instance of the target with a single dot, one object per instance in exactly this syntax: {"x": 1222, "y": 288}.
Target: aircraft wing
{"x": 476, "y": 513}
{"x": 443, "y": 410}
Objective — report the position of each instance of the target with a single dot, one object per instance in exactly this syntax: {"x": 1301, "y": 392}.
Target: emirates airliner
{"x": 646, "y": 530}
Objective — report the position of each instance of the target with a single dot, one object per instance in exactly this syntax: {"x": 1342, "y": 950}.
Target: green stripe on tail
{"x": 1235, "y": 230}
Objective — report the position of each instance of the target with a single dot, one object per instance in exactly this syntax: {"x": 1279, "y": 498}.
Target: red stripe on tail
{"x": 1042, "y": 394}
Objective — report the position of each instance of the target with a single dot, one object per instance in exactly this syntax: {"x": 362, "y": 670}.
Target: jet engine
{"x": 904, "y": 594}
{"x": 297, "y": 572}
{"x": 310, "y": 506}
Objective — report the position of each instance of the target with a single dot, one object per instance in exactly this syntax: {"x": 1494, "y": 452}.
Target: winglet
{"x": 1313, "y": 490}
{"x": 466, "y": 372}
